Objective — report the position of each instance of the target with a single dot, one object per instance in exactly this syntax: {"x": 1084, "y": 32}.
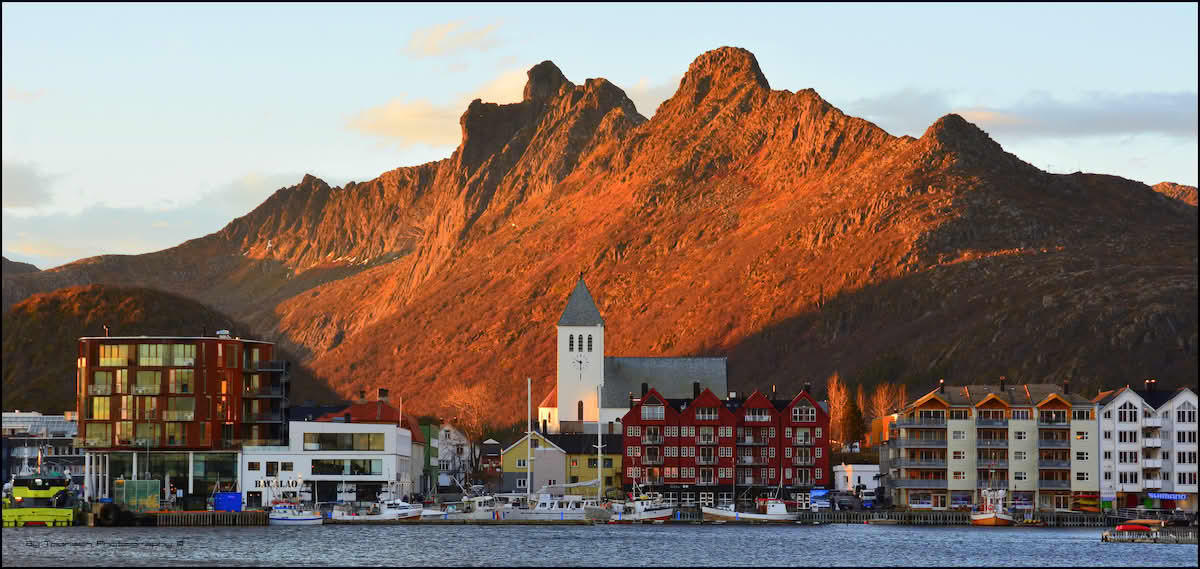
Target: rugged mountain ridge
{"x": 761, "y": 224}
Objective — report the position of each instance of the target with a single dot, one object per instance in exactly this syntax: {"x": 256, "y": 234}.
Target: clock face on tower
{"x": 580, "y": 362}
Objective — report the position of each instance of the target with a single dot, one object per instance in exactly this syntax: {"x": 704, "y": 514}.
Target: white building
{"x": 347, "y": 462}
{"x": 456, "y": 456}
{"x": 1148, "y": 448}
{"x": 583, "y": 367}
{"x": 847, "y": 477}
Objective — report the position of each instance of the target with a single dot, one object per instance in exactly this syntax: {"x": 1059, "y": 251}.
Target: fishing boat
{"x": 769, "y": 510}
{"x": 472, "y": 508}
{"x": 556, "y": 508}
{"x": 387, "y": 507}
{"x": 992, "y": 512}
{"x": 286, "y": 513}
{"x": 641, "y": 507}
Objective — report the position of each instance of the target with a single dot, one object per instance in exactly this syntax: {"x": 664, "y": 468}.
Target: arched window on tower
{"x": 571, "y": 343}
{"x": 589, "y": 342}
{"x": 580, "y": 407}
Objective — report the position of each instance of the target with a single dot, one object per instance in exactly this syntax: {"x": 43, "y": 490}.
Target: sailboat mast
{"x": 599, "y": 456}
{"x": 528, "y": 439}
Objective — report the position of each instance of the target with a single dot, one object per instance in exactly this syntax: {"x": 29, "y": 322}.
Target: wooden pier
{"x": 1165, "y": 535}
{"x": 418, "y": 521}
{"x": 175, "y": 519}
{"x": 944, "y": 518}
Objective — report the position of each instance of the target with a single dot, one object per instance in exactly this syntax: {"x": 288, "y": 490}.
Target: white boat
{"x": 555, "y": 508}
{"x": 291, "y": 514}
{"x": 992, "y": 511}
{"x": 770, "y": 510}
{"x": 642, "y": 508}
{"x": 476, "y": 508}
{"x": 381, "y": 511}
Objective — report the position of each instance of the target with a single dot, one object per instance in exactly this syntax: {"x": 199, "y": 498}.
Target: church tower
{"x": 580, "y": 357}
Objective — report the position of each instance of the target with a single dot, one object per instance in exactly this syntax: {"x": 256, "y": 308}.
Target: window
{"x": 1081, "y": 455}
{"x": 804, "y": 413}
{"x": 757, "y": 415}
{"x": 575, "y": 462}
{"x": 1127, "y": 413}
{"x": 1019, "y": 455}
{"x": 232, "y": 351}
{"x": 114, "y": 356}
{"x": 1021, "y": 414}
{"x": 787, "y": 433}
{"x": 272, "y": 469}
{"x": 608, "y": 463}
{"x": 1127, "y": 457}
{"x": 671, "y": 431}
{"x": 960, "y": 455}
{"x": 1020, "y": 435}
{"x": 1108, "y": 435}
{"x": 1108, "y": 475}
{"x": 706, "y": 414}
{"x": 148, "y": 382}
{"x": 573, "y": 479}
{"x": 817, "y": 471}
{"x": 772, "y": 453}
{"x": 343, "y": 441}
{"x": 124, "y": 432}
{"x": 1186, "y": 413}
{"x": 1185, "y": 457}
{"x": 787, "y": 452}
{"x": 706, "y": 436}
{"x": 959, "y": 414}
{"x": 818, "y": 432}
{"x": 534, "y": 443}
{"x": 1128, "y": 477}
{"x": 1127, "y": 436}
{"x": 99, "y": 409}
{"x": 285, "y": 467}
{"x": 180, "y": 380}
{"x": 176, "y": 434}
{"x": 818, "y": 453}
{"x": 1185, "y": 437}
{"x": 1108, "y": 455}
{"x": 652, "y": 412}
{"x": 1108, "y": 414}
{"x": 1018, "y": 476}
{"x": 589, "y": 342}
{"x": 521, "y": 483}
{"x": 254, "y": 466}
{"x": 726, "y": 452}
{"x": 633, "y": 431}
{"x": 1081, "y": 435}
{"x": 959, "y": 475}
{"x": 183, "y": 355}
{"x": 633, "y": 451}
{"x": 1081, "y": 476}
{"x": 959, "y": 435}
{"x": 150, "y": 354}
{"x": 1186, "y": 477}
{"x": 521, "y": 462}
{"x": 1081, "y": 414}
{"x": 571, "y": 343}
{"x": 771, "y": 433}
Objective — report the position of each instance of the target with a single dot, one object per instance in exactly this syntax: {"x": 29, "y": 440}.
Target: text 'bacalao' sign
{"x": 276, "y": 483}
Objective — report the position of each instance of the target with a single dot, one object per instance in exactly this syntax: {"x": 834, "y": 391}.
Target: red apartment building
{"x": 706, "y": 450}
{"x": 165, "y": 406}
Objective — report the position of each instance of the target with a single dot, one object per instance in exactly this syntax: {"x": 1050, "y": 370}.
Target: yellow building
{"x": 582, "y": 462}
{"x": 548, "y": 465}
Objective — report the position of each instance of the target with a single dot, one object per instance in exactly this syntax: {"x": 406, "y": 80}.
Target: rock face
{"x": 15, "y": 267}
{"x": 761, "y": 224}
{"x": 40, "y": 329}
{"x": 1185, "y": 194}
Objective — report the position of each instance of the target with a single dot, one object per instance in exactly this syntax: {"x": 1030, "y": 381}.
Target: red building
{"x": 692, "y": 449}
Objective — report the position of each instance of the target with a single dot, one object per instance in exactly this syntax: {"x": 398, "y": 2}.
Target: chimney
{"x": 631, "y": 400}
{"x": 772, "y": 392}
{"x": 1150, "y": 384}
{"x": 383, "y": 395}
{"x": 942, "y": 385}
{"x": 1002, "y": 384}
{"x": 732, "y": 395}
{"x": 695, "y": 389}
{"x": 106, "y": 330}
{"x": 645, "y": 389}
{"x": 362, "y": 396}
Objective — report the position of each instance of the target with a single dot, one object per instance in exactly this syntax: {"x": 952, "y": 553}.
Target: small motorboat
{"x": 285, "y": 513}
{"x": 1133, "y": 527}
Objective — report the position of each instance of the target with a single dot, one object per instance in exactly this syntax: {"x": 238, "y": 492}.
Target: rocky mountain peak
{"x": 545, "y": 80}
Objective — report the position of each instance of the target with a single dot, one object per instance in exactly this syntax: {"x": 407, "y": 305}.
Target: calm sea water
{"x": 623, "y": 545}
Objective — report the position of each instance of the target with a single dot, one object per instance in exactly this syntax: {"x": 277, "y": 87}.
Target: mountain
{"x": 760, "y": 224}
{"x": 14, "y": 267}
{"x": 41, "y": 329}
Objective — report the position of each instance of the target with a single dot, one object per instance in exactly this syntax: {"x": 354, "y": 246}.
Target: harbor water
{"x": 620, "y": 545}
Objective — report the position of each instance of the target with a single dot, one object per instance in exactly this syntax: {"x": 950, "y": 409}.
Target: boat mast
{"x": 528, "y": 440}
{"x": 599, "y": 456}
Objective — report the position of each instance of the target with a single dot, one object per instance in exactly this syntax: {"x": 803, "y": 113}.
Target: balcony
{"x": 1054, "y": 484}
{"x": 652, "y": 439}
{"x": 1046, "y": 423}
{"x": 652, "y": 460}
{"x": 1153, "y": 484}
{"x": 652, "y": 481}
{"x": 751, "y": 441}
{"x": 1054, "y": 464}
{"x": 992, "y": 443}
{"x": 261, "y": 418}
{"x": 931, "y": 423}
{"x": 99, "y": 390}
{"x": 983, "y": 483}
{"x": 178, "y": 415}
{"x": 147, "y": 414}
{"x": 706, "y": 440}
{"x": 1054, "y": 443}
{"x": 145, "y": 443}
{"x": 146, "y": 390}
{"x": 1152, "y": 443}
{"x": 1152, "y": 463}
{"x": 706, "y": 460}
{"x": 706, "y": 483}
{"x": 81, "y": 442}
{"x": 991, "y": 463}
{"x": 986, "y": 423}
{"x": 751, "y": 481}
{"x": 799, "y": 461}
{"x": 803, "y": 442}
{"x": 1155, "y": 422}
{"x": 914, "y": 442}
{"x": 757, "y": 418}
{"x": 1129, "y": 488}
{"x": 751, "y": 460}
{"x": 263, "y": 442}
{"x": 919, "y": 463}
{"x": 273, "y": 365}
{"x": 919, "y": 483}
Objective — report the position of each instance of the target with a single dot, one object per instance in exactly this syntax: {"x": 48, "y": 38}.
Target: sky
{"x": 130, "y": 128}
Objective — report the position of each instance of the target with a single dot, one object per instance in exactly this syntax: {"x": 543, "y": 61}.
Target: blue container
{"x": 227, "y": 501}
{"x": 105, "y": 500}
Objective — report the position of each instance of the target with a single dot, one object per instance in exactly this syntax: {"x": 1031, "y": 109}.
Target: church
{"x": 585, "y": 372}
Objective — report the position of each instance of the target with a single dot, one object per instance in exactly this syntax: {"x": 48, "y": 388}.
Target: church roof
{"x": 672, "y": 377}
{"x": 551, "y": 399}
{"x": 581, "y": 309}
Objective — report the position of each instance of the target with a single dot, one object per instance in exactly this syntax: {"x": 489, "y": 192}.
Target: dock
{"x": 1165, "y": 535}
{"x": 418, "y": 521}
{"x": 946, "y": 518}
{"x": 187, "y": 519}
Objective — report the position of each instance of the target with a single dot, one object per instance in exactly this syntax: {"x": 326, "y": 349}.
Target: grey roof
{"x": 672, "y": 377}
{"x": 585, "y": 444}
{"x": 581, "y": 309}
{"x": 1013, "y": 394}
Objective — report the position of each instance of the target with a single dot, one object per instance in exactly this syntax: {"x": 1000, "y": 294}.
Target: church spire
{"x": 581, "y": 309}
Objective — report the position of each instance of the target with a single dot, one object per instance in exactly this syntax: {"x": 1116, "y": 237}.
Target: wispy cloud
{"x": 25, "y": 186}
{"x": 423, "y": 122}
{"x": 647, "y": 97}
{"x": 1039, "y": 115}
{"x": 451, "y": 37}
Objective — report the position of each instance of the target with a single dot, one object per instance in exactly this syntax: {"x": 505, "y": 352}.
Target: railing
{"x": 920, "y": 483}
{"x": 1152, "y": 463}
{"x": 1156, "y": 484}
{"x": 991, "y": 463}
{"x": 1054, "y": 423}
{"x": 750, "y": 460}
{"x": 178, "y": 415}
{"x": 272, "y": 365}
{"x": 1127, "y": 487}
{"x": 992, "y": 443}
{"x": 146, "y": 389}
{"x": 151, "y": 443}
{"x": 920, "y": 423}
{"x": 991, "y": 422}
{"x": 919, "y": 463}
{"x": 263, "y": 442}
{"x": 993, "y": 484}
{"x": 919, "y": 443}
{"x": 1054, "y": 464}
{"x": 176, "y": 441}
{"x": 99, "y": 390}
{"x": 652, "y": 481}
{"x": 706, "y": 440}
{"x": 1152, "y": 443}
{"x": 652, "y": 439}
{"x": 798, "y": 461}
{"x": 803, "y": 442}
{"x": 706, "y": 483}
{"x": 706, "y": 460}
{"x": 758, "y": 418}
{"x": 264, "y": 390}
{"x": 751, "y": 481}
{"x": 1054, "y": 443}
{"x": 751, "y": 441}
{"x": 1054, "y": 484}
{"x": 1152, "y": 422}
{"x": 652, "y": 460}
{"x": 147, "y": 414}
{"x": 261, "y": 417}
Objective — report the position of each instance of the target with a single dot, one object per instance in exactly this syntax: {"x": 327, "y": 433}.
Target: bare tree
{"x": 839, "y": 404}
{"x": 470, "y": 406}
{"x": 882, "y": 400}
{"x": 900, "y": 396}
{"x": 861, "y": 399}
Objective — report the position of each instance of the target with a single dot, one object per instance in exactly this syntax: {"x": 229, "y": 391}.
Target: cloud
{"x": 451, "y": 37}
{"x": 423, "y": 122}
{"x": 22, "y": 96}
{"x": 647, "y": 97}
{"x": 1039, "y": 115}
{"x": 24, "y": 186}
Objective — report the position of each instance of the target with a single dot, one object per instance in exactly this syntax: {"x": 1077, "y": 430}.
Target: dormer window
{"x": 571, "y": 343}
{"x": 589, "y": 342}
